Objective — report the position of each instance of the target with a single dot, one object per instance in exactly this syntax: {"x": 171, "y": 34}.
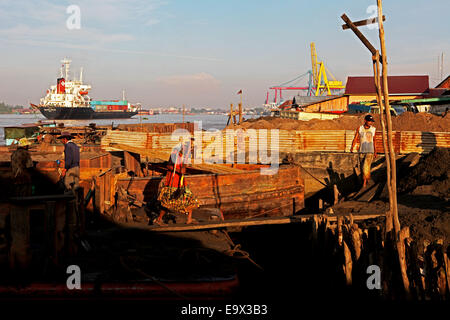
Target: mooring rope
{"x": 128, "y": 268}
{"x": 237, "y": 249}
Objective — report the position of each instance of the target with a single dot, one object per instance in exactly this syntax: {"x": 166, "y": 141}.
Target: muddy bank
{"x": 408, "y": 121}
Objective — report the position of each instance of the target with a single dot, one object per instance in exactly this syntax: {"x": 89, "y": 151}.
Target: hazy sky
{"x": 202, "y": 52}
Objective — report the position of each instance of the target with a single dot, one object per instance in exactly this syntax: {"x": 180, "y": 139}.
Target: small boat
{"x": 145, "y": 112}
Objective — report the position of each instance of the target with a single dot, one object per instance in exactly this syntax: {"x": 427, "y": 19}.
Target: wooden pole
{"x": 396, "y": 222}
{"x": 376, "y": 72}
{"x": 240, "y": 110}
{"x": 363, "y": 22}
{"x": 336, "y": 194}
{"x": 359, "y": 34}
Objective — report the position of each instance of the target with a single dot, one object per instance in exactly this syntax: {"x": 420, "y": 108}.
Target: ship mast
{"x": 66, "y": 62}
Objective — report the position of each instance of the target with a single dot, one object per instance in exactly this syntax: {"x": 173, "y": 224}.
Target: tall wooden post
{"x": 376, "y": 73}
{"x": 392, "y": 220}
{"x": 394, "y": 209}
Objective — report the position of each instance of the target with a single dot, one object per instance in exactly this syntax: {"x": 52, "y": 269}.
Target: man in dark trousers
{"x": 71, "y": 171}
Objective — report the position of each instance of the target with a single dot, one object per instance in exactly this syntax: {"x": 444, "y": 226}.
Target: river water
{"x": 207, "y": 121}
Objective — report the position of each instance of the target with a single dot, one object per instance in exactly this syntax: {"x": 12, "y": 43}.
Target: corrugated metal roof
{"x": 307, "y": 100}
{"x": 396, "y": 84}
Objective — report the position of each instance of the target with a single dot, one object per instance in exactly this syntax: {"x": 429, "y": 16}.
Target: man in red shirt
{"x": 172, "y": 183}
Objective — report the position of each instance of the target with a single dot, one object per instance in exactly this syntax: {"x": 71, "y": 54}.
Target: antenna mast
{"x": 66, "y": 62}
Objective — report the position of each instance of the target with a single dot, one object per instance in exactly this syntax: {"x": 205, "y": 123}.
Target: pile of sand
{"x": 408, "y": 121}
{"x": 433, "y": 171}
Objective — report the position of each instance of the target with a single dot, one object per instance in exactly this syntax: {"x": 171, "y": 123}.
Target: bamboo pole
{"x": 396, "y": 222}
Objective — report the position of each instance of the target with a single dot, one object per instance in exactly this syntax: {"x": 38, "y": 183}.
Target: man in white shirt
{"x": 367, "y": 151}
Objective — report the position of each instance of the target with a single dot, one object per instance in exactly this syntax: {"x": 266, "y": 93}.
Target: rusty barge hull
{"x": 238, "y": 195}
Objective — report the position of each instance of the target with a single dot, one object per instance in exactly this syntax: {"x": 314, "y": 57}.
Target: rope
{"x": 237, "y": 249}
{"x": 126, "y": 267}
{"x": 312, "y": 175}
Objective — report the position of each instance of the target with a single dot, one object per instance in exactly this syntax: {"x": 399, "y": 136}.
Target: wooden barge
{"x": 238, "y": 195}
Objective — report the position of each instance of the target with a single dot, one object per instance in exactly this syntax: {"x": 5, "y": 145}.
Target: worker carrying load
{"x": 367, "y": 151}
{"x": 173, "y": 193}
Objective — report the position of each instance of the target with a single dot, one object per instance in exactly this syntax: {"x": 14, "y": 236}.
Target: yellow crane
{"x": 320, "y": 78}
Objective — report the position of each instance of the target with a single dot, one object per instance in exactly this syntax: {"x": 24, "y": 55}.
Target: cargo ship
{"x": 69, "y": 100}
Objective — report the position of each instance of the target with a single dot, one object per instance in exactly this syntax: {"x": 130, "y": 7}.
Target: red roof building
{"x": 400, "y": 88}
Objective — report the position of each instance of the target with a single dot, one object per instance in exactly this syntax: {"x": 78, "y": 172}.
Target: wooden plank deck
{"x": 240, "y": 222}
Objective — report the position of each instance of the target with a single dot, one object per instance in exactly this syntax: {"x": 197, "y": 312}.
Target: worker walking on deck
{"x": 20, "y": 164}
{"x": 367, "y": 151}
{"x": 71, "y": 171}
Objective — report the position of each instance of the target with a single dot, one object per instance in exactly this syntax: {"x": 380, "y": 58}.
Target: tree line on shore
{"x": 6, "y": 108}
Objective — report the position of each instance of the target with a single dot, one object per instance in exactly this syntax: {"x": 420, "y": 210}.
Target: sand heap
{"x": 433, "y": 171}
{"x": 424, "y": 198}
{"x": 408, "y": 121}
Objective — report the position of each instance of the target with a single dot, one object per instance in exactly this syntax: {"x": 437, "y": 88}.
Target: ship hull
{"x": 65, "y": 113}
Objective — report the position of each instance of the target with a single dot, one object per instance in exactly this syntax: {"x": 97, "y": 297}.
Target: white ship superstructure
{"x": 67, "y": 93}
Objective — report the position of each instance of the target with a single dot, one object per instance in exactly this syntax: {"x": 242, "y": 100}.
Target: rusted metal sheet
{"x": 238, "y": 195}
{"x": 219, "y": 145}
{"x": 423, "y": 142}
{"x": 322, "y": 140}
{"x": 157, "y": 127}
{"x": 133, "y": 163}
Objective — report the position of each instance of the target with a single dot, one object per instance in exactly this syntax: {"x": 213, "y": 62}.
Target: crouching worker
{"x": 367, "y": 151}
{"x": 71, "y": 171}
{"x": 173, "y": 194}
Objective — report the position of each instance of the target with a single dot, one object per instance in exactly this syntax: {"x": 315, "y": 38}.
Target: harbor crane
{"x": 320, "y": 78}
{"x": 318, "y": 83}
